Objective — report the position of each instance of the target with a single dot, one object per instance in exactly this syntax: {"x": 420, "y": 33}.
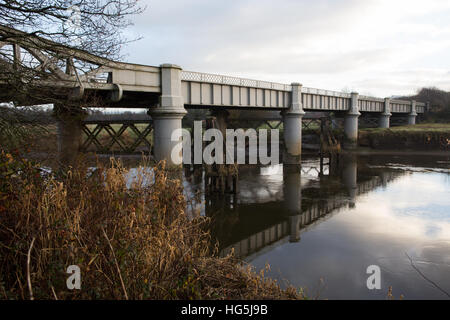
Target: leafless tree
{"x": 94, "y": 26}
{"x": 48, "y": 41}
{"x": 439, "y": 103}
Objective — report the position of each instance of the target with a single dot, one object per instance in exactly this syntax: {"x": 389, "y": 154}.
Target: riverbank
{"x": 128, "y": 240}
{"x": 419, "y": 137}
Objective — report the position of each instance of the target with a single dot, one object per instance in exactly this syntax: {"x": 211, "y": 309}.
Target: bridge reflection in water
{"x": 276, "y": 205}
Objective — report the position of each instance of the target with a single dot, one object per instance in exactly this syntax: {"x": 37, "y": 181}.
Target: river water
{"x": 322, "y": 230}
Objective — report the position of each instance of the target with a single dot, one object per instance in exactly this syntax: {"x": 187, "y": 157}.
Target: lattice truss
{"x": 398, "y": 121}
{"x": 39, "y": 63}
{"x": 255, "y": 123}
{"x": 368, "y": 122}
{"x": 107, "y": 137}
{"x": 226, "y": 80}
{"x": 315, "y": 123}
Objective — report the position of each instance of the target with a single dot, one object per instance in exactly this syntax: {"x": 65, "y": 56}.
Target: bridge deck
{"x": 132, "y": 85}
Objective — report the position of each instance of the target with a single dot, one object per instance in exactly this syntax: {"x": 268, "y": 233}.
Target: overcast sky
{"x": 377, "y": 47}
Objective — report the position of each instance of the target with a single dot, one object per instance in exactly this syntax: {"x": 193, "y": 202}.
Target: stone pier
{"x": 167, "y": 116}
{"x": 413, "y": 114}
{"x": 384, "y": 120}
{"x": 292, "y": 124}
{"x": 69, "y": 133}
{"x": 351, "y": 123}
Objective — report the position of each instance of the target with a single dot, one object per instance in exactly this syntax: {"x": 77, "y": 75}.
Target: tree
{"x": 44, "y": 40}
{"x": 94, "y": 26}
{"x": 439, "y": 101}
{"x": 56, "y": 41}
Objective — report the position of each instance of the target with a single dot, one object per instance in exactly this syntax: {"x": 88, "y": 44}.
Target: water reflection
{"x": 332, "y": 225}
{"x": 280, "y": 199}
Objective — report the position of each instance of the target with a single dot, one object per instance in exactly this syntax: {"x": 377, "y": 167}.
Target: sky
{"x": 374, "y": 47}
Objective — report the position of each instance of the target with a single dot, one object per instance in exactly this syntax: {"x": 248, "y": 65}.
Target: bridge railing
{"x": 227, "y": 80}
{"x": 322, "y": 92}
{"x": 244, "y": 82}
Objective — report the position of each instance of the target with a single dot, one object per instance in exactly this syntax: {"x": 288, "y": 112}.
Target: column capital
{"x": 170, "y": 66}
{"x": 387, "y": 108}
{"x": 413, "y": 114}
{"x": 296, "y": 107}
{"x": 354, "y": 105}
{"x": 413, "y": 108}
{"x": 171, "y": 100}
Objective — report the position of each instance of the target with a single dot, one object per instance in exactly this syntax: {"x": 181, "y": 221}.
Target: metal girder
{"x": 115, "y": 137}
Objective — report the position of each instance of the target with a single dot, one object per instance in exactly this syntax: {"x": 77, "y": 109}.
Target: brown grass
{"x": 421, "y": 136}
{"x": 130, "y": 242}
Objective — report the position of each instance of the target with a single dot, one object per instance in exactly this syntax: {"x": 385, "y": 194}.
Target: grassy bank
{"x": 129, "y": 241}
{"x": 425, "y": 136}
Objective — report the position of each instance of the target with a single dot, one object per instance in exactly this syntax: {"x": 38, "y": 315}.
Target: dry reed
{"x": 130, "y": 241}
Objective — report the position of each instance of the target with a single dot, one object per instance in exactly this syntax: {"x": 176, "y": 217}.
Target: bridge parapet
{"x": 370, "y": 104}
{"x": 235, "y": 81}
{"x": 217, "y": 90}
{"x": 203, "y": 89}
{"x": 328, "y": 93}
{"x": 317, "y": 99}
{"x": 206, "y": 89}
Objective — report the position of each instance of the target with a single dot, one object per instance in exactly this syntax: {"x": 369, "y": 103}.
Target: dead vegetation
{"x": 425, "y": 136}
{"x": 131, "y": 240}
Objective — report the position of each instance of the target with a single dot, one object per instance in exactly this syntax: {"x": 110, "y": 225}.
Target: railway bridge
{"x": 168, "y": 91}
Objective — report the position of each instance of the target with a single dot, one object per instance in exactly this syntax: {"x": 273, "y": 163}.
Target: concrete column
{"x": 349, "y": 177}
{"x": 351, "y": 123}
{"x": 292, "y": 125}
{"x": 413, "y": 114}
{"x": 383, "y": 121}
{"x": 69, "y": 133}
{"x": 292, "y": 191}
{"x": 167, "y": 116}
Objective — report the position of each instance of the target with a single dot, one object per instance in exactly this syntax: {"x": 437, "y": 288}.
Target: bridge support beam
{"x": 351, "y": 123}
{"x": 69, "y": 133}
{"x": 292, "y": 124}
{"x": 413, "y": 114}
{"x": 168, "y": 115}
{"x": 383, "y": 121}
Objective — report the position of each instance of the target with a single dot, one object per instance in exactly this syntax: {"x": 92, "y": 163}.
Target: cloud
{"x": 328, "y": 44}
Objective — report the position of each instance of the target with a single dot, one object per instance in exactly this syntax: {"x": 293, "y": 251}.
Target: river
{"x": 322, "y": 231}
